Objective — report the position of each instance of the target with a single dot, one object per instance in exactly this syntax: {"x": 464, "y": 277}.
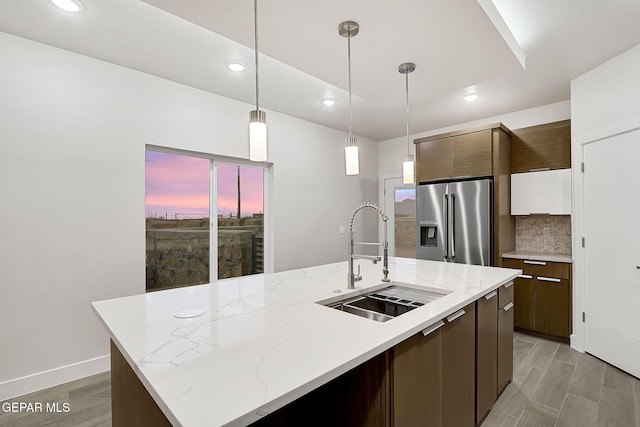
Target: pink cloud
{"x": 178, "y": 184}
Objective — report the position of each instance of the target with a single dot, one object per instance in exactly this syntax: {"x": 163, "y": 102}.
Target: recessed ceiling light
{"x": 69, "y": 5}
{"x": 329, "y": 102}
{"x": 471, "y": 97}
{"x": 236, "y": 66}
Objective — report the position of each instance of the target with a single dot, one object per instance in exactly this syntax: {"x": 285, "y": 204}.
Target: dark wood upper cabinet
{"x": 434, "y": 160}
{"x": 472, "y": 154}
{"x": 465, "y": 153}
{"x": 541, "y": 147}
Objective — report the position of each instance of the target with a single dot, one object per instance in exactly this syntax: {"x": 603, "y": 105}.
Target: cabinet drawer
{"x": 505, "y": 294}
{"x": 513, "y": 263}
{"x": 559, "y": 270}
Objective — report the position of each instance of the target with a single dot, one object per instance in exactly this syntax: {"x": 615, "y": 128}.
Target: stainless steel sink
{"x": 388, "y": 302}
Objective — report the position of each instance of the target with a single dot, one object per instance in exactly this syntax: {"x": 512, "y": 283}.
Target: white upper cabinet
{"x": 543, "y": 192}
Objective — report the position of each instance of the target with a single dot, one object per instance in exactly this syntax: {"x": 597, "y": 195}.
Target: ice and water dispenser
{"x": 428, "y": 233}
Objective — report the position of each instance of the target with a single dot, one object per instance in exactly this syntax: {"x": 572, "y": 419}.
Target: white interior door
{"x": 399, "y": 206}
{"x": 612, "y": 250}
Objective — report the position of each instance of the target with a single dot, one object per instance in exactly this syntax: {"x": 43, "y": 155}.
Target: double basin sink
{"x": 388, "y": 302}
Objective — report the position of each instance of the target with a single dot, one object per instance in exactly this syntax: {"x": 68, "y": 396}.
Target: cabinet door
{"x": 486, "y": 354}
{"x": 434, "y": 160}
{"x": 543, "y": 146}
{"x": 472, "y": 154}
{"x": 417, "y": 381}
{"x": 505, "y": 345}
{"x": 458, "y": 369}
{"x": 552, "y": 306}
{"x": 523, "y": 298}
{"x": 546, "y": 192}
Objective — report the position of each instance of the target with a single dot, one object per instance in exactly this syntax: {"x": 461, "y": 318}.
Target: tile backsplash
{"x": 544, "y": 233}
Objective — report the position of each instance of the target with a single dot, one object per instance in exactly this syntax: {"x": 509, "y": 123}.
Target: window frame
{"x": 267, "y": 179}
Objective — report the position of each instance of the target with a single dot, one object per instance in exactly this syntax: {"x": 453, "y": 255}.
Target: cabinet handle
{"x": 539, "y": 169}
{"x": 525, "y": 276}
{"x": 455, "y": 315}
{"x": 462, "y": 177}
{"x": 548, "y": 279}
{"x": 508, "y": 307}
{"x": 535, "y": 262}
{"x": 491, "y": 295}
{"x": 432, "y": 328}
{"x": 508, "y": 285}
{"x": 442, "y": 178}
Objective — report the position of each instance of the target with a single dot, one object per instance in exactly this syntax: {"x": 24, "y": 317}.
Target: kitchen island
{"x": 263, "y": 341}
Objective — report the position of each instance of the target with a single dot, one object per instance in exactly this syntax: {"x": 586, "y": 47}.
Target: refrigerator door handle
{"x": 445, "y": 215}
{"x": 453, "y": 225}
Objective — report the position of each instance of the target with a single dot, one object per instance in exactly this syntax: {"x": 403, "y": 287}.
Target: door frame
{"x": 578, "y": 276}
{"x": 390, "y": 212}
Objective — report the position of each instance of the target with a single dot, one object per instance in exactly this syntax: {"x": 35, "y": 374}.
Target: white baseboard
{"x": 41, "y": 380}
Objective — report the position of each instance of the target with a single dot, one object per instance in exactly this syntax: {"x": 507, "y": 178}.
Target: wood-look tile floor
{"x": 553, "y": 385}
{"x": 89, "y": 402}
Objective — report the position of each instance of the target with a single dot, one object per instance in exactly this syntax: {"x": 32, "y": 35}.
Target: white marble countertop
{"x": 263, "y": 341}
{"x": 539, "y": 256}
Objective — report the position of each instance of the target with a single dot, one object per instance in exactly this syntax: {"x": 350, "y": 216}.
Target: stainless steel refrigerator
{"x": 455, "y": 222}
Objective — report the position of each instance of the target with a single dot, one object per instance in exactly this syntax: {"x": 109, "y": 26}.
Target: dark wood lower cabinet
{"x": 505, "y": 345}
{"x": 552, "y": 306}
{"x": 417, "y": 380}
{"x": 428, "y": 380}
{"x": 543, "y": 297}
{"x": 486, "y": 354}
{"x": 523, "y": 299}
{"x": 458, "y": 369}
{"x": 131, "y": 404}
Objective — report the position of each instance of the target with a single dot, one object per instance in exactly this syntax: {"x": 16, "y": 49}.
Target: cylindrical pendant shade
{"x": 408, "y": 171}
{"x": 351, "y": 159}
{"x": 257, "y": 136}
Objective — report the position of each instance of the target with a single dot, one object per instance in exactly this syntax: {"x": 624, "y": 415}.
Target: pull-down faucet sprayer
{"x": 351, "y": 277}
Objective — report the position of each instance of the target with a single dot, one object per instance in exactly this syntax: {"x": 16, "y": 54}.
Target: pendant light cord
{"x": 349, "y": 60}
{"x": 255, "y": 32}
{"x": 406, "y": 76}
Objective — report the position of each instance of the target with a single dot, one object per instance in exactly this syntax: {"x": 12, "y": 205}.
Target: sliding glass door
{"x": 193, "y": 204}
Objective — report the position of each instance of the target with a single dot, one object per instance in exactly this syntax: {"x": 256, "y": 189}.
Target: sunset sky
{"x": 180, "y": 185}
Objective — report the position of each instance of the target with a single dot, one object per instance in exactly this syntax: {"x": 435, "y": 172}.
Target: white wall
{"x": 72, "y": 138}
{"x": 390, "y": 152}
{"x": 604, "y": 102}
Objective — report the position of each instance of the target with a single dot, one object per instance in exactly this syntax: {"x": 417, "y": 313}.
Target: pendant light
{"x": 257, "y": 118}
{"x": 350, "y": 29}
{"x": 408, "y": 164}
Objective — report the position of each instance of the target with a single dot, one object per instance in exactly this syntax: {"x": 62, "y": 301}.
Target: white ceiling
{"x": 454, "y": 43}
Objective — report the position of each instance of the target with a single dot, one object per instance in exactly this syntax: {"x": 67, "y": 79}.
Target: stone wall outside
{"x": 177, "y": 251}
